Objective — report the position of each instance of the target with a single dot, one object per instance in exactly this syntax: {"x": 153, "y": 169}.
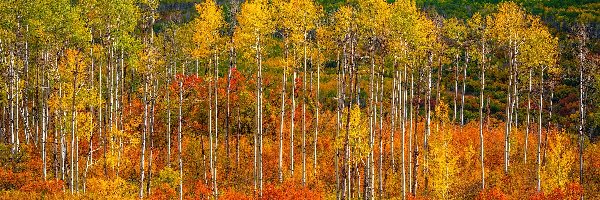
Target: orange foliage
{"x": 230, "y": 194}
{"x": 201, "y": 190}
{"x": 290, "y": 190}
{"x": 573, "y": 191}
{"x": 44, "y": 187}
{"x": 492, "y": 194}
{"x": 163, "y": 191}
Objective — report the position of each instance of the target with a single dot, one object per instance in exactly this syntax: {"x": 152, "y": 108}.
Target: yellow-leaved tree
{"x": 442, "y": 161}
{"x": 255, "y": 24}
{"x": 207, "y": 38}
{"x": 561, "y": 158}
{"x": 206, "y": 29}
{"x": 358, "y": 136}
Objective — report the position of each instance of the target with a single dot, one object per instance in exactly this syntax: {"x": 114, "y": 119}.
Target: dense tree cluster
{"x": 297, "y": 98}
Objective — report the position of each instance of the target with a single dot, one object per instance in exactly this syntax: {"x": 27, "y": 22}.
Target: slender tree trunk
{"x": 292, "y": 125}
{"x": 179, "y": 138}
{"x": 228, "y": 116}
{"x": 210, "y": 126}
{"x": 283, "y": 81}
{"x": 101, "y": 123}
{"x": 73, "y": 121}
{"x": 56, "y": 136}
{"x": 237, "y": 140}
{"x": 45, "y": 116}
{"x": 63, "y": 148}
{"x": 462, "y": 104}
{"x": 169, "y": 131}
{"x": 143, "y": 139}
{"x": 550, "y": 125}
{"x": 353, "y": 91}
{"x": 411, "y": 135}
{"x": 260, "y": 102}
{"x": 381, "y": 136}
{"x": 483, "y": 51}
{"x": 214, "y": 175}
{"x": 538, "y": 166}
{"x": 455, "y": 88}
{"x": 427, "y": 126}
{"x": 583, "y": 40}
{"x": 527, "y": 122}
{"x": 369, "y": 177}
{"x": 508, "y": 120}
{"x": 150, "y": 138}
{"x": 318, "y": 105}
{"x": 338, "y": 126}
{"x": 304, "y": 97}
{"x": 393, "y": 116}
{"x": 403, "y": 97}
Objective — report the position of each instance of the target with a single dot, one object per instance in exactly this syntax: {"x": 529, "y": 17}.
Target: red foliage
{"x": 573, "y": 191}
{"x": 289, "y": 190}
{"x": 233, "y": 195}
{"x": 163, "y": 191}
{"x": 201, "y": 190}
{"x": 44, "y": 187}
{"x": 492, "y": 194}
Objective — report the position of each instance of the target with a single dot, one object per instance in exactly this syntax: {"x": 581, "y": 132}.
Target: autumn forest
{"x": 299, "y": 99}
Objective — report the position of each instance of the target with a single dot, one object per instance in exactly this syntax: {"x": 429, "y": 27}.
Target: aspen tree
{"x": 540, "y": 51}
{"x": 507, "y": 28}
{"x": 207, "y": 39}
{"x": 254, "y": 25}
{"x": 478, "y": 31}
{"x": 582, "y": 37}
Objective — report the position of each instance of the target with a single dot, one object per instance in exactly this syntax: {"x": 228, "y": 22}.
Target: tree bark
{"x": 462, "y": 104}
{"x": 73, "y": 121}
{"x": 304, "y": 97}
{"x": 179, "y": 138}
{"x": 317, "y": 105}
{"x": 283, "y": 81}
{"x": 582, "y": 49}
{"x": 539, "y": 181}
{"x": 482, "y": 151}
{"x": 527, "y": 122}
{"x": 455, "y": 87}
{"x": 143, "y": 139}
{"x": 150, "y": 138}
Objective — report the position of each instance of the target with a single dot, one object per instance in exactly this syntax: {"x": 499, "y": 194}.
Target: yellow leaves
{"x": 455, "y": 30}
{"x": 116, "y": 188}
{"x": 523, "y": 35}
{"x": 167, "y": 176}
{"x": 507, "y": 25}
{"x": 411, "y": 30}
{"x": 343, "y": 20}
{"x": 373, "y": 17}
{"x": 540, "y": 47}
{"x": 206, "y": 28}
{"x": 558, "y": 169}
{"x": 358, "y": 135}
{"x": 254, "y": 23}
{"x": 443, "y": 163}
{"x": 85, "y": 125}
{"x": 71, "y": 64}
{"x": 255, "y": 18}
{"x": 298, "y": 17}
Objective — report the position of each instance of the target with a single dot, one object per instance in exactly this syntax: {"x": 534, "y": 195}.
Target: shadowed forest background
{"x": 299, "y": 99}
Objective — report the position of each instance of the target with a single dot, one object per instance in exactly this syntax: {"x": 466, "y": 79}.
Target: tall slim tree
{"x": 254, "y": 25}
{"x": 207, "y": 39}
